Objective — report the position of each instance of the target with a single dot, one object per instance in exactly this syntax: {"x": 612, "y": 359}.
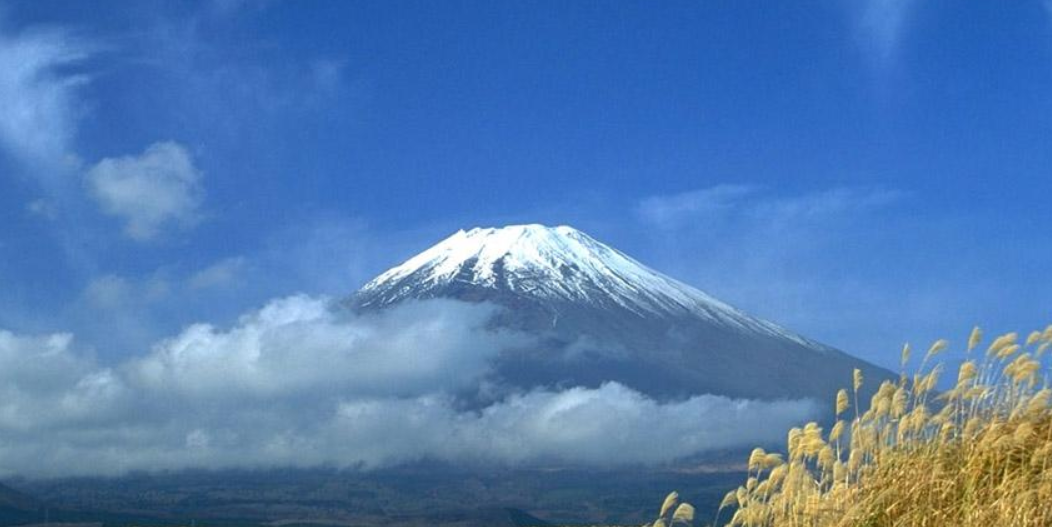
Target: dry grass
{"x": 674, "y": 513}
{"x": 977, "y": 455}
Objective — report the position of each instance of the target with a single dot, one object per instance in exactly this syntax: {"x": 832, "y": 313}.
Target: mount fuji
{"x": 598, "y": 315}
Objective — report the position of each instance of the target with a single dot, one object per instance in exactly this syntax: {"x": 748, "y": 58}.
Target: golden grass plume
{"x": 976, "y": 455}
{"x": 674, "y": 513}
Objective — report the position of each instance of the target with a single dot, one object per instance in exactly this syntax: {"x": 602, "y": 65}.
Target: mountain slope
{"x": 17, "y": 508}
{"x": 600, "y": 315}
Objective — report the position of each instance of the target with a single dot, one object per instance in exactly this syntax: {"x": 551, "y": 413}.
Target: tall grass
{"x": 674, "y": 514}
{"x": 978, "y": 454}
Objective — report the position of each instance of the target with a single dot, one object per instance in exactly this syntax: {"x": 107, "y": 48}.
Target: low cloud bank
{"x": 298, "y": 384}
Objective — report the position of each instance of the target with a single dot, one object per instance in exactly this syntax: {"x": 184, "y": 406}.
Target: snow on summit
{"x": 549, "y": 262}
{"x": 552, "y": 264}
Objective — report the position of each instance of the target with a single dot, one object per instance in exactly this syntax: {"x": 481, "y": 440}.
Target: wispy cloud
{"x": 43, "y": 73}
{"x": 670, "y": 210}
{"x": 880, "y": 25}
{"x": 39, "y": 108}
{"x": 230, "y": 7}
{"x": 160, "y": 187}
{"x": 223, "y": 273}
{"x": 756, "y": 202}
{"x": 123, "y": 313}
{"x": 299, "y": 384}
{"x": 863, "y": 269}
{"x": 112, "y": 292}
{"x": 786, "y": 256}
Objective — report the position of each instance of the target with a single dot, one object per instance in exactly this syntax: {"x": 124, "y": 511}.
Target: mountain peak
{"x": 551, "y": 265}
{"x": 586, "y": 301}
{"x": 554, "y": 263}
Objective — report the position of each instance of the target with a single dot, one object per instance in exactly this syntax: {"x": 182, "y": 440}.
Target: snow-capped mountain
{"x": 600, "y": 315}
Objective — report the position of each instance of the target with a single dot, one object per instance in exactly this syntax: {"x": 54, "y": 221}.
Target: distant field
{"x": 422, "y": 495}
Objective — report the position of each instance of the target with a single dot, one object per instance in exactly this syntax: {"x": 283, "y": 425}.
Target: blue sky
{"x": 864, "y": 172}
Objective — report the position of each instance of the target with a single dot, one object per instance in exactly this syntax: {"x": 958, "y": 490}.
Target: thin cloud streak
{"x": 880, "y": 25}
{"x": 798, "y": 259}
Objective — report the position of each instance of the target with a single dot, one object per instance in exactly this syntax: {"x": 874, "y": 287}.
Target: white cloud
{"x": 160, "y": 187}
{"x": 299, "y": 384}
{"x": 615, "y": 425}
{"x": 44, "y": 384}
{"x": 38, "y": 103}
{"x": 299, "y": 344}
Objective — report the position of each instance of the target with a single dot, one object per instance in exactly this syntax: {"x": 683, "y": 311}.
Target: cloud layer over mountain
{"x": 298, "y": 383}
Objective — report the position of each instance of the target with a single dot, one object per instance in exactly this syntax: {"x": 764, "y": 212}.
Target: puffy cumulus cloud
{"x": 612, "y": 425}
{"x": 159, "y": 187}
{"x": 301, "y": 345}
{"x": 38, "y": 96}
{"x": 45, "y": 385}
{"x": 299, "y": 383}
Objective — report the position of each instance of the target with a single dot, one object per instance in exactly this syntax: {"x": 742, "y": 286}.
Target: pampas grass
{"x": 670, "y": 501}
{"x": 976, "y": 455}
{"x": 684, "y": 515}
{"x": 674, "y": 513}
